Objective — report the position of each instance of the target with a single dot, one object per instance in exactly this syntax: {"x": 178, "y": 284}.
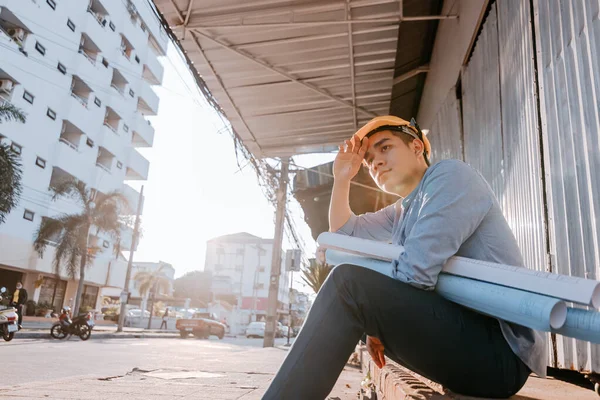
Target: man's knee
{"x": 347, "y": 274}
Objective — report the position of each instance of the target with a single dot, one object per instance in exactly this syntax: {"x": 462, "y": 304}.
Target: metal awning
{"x": 299, "y": 76}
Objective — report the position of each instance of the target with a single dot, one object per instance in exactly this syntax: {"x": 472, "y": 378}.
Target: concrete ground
{"x": 132, "y": 369}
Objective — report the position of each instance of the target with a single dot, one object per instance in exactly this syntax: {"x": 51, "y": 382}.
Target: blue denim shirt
{"x": 453, "y": 211}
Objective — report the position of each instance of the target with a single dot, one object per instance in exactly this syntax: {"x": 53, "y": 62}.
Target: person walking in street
{"x": 165, "y": 318}
{"x": 444, "y": 210}
{"x": 18, "y": 301}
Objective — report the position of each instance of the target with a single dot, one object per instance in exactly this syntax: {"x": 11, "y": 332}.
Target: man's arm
{"x": 457, "y": 199}
{"x": 339, "y": 208}
{"x": 374, "y": 226}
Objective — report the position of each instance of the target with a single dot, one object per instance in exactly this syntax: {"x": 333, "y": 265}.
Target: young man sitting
{"x": 444, "y": 210}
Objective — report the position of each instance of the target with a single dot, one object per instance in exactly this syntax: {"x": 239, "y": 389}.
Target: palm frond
{"x": 315, "y": 274}
{"x": 49, "y": 229}
{"x": 73, "y": 189}
{"x": 114, "y": 197}
{"x": 11, "y": 172}
{"x": 10, "y": 112}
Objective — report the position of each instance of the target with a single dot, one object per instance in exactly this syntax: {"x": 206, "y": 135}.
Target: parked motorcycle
{"x": 8, "y": 319}
{"x": 65, "y": 327}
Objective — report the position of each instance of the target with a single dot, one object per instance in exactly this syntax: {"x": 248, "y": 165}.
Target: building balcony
{"x": 137, "y": 166}
{"x": 113, "y": 142}
{"x": 153, "y": 71}
{"x": 133, "y": 197}
{"x": 79, "y": 115}
{"x": 73, "y": 160}
{"x": 143, "y": 132}
{"x": 132, "y": 30}
{"x": 147, "y": 100}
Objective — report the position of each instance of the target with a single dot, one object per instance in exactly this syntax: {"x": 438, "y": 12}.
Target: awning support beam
{"x": 394, "y": 20}
{"x": 407, "y": 75}
{"x": 283, "y": 73}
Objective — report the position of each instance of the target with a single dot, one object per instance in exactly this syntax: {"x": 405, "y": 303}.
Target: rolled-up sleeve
{"x": 454, "y": 201}
{"x": 374, "y": 226}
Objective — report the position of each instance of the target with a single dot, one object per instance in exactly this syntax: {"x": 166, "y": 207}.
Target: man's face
{"x": 391, "y": 162}
{"x": 19, "y": 286}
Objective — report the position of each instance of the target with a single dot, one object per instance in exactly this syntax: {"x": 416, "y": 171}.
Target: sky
{"x": 195, "y": 190}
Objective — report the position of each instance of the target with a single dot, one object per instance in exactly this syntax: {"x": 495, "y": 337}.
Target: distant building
{"x": 240, "y": 264}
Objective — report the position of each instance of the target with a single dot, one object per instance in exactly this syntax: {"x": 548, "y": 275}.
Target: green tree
{"x": 314, "y": 274}
{"x": 71, "y": 232}
{"x": 194, "y": 285}
{"x": 152, "y": 282}
{"x": 10, "y": 165}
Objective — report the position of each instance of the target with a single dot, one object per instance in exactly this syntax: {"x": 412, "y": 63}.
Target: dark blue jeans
{"x": 440, "y": 340}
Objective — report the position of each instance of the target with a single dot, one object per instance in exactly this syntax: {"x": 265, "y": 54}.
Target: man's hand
{"x": 375, "y": 349}
{"x": 348, "y": 161}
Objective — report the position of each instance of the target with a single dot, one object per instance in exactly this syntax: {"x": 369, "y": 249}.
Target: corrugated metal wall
{"x": 500, "y": 122}
{"x": 445, "y": 132}
{"x": 523, "y": 197}
{"x": 482, "y": 120}
{"x": 568, "y": 40}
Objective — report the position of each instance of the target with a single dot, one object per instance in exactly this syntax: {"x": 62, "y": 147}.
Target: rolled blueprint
{"x": 581, "y": 324}
{"x": 532, "y": 310}
{"x": 570, "y": 288}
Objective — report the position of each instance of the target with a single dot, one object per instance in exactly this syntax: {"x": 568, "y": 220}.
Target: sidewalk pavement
{"x": 238, "y": 375}
{"x": 394, "y": 382}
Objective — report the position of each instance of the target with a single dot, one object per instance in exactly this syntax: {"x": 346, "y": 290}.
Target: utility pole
{"x": 290, "y": 309}
{"x": 271, "y": 325}
{"x": 125, "y": 292}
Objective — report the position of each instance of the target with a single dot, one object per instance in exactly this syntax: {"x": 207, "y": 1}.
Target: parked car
{"x": 201, "y": 325}
{"x": 256, "y": 330}
{"x": 134, "y": 316}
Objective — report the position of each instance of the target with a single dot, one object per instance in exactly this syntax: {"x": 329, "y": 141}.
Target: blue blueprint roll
{"x": 528, "y": 309}
{"x": 581, "y": 324}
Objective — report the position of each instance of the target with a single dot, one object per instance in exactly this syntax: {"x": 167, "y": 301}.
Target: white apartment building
{"x": 83, "y": 73}
{"x": 241, "y": 269}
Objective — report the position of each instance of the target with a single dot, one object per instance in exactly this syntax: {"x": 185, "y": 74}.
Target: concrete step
{"x": 394, "y": 382}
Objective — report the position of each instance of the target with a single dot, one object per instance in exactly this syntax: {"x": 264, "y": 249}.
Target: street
{"x": 232, "y": 368}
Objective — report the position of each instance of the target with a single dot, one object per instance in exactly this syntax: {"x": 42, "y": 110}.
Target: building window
{"x": 137, "y": 59}
{"x": 261, "y": 269}
{"x": 52, "y": 4}
{"x": 16, "y": 148}
{"x": 105, "y": 244}
{"x": 41, "y": 49}
{"x": 119, "y": 165}
{"x": 131, "y": 93}
{"x": 71, "y": 25}
{"x": 97, "y": 102}
{"x": 218, "y": 267}
{"x": 28, "y": 215}
{"x": 112, "y": 26}
{"x": 28, "y": 97}
{"x": 40, "y": 162}
{"x": 62, "y": 68}
{"x": 105, "y": 62}
{"x": 89, "y": 142}
{"x": 239, "y": 268}
{"x": 51, "y": 114}
{"x": 93, "y": 194}
{"x": 125, "y": 127}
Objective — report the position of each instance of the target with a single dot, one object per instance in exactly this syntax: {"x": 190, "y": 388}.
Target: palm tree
{"x": 71, "y": 232}
{"x": 314, "y": 274}
{"x": 10, "y": 165}
{"x": 152, "y": 281}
